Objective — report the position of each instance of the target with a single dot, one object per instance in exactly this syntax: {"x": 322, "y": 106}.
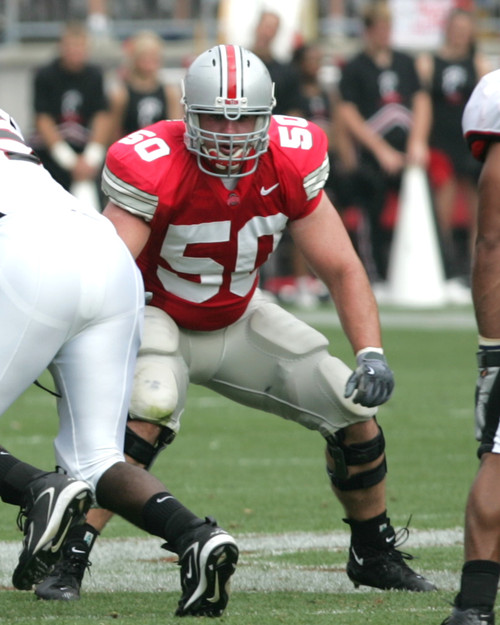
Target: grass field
{"x": 264, "y": 480}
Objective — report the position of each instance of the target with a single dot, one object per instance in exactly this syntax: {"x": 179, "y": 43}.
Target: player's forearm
{"x": 357, "y": 310}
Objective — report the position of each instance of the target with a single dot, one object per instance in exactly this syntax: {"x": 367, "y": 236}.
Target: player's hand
{"x": 372, "y": 380}
{"x": 487, "y": 387}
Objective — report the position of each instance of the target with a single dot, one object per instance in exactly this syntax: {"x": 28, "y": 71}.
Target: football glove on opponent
{"x": 372, "y": 380}
{"x": 487, "y": 388}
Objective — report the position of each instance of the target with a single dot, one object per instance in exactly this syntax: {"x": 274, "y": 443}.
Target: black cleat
{"x": 64, "y": 581}
{"x": 472, "y": 616}
{"x": 207, "y": 563}
{"x": 54, "y": 503}
{"x": 386, "y": 568}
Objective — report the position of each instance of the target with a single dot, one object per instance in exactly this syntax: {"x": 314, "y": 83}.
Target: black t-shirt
{"x": 452, "y": 85}
{"x": 285, "y": 80}
{"x": 383, "y": 95}
{"x": 144, "y": 109}
{"x": 316, "y": 108}
{"x": 72, "y": 99}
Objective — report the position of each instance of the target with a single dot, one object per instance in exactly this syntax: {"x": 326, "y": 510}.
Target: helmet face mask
{"x": 233, "y": 83}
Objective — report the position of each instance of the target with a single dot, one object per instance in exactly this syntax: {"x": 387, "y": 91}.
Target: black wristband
{"x": 487, "y": 358}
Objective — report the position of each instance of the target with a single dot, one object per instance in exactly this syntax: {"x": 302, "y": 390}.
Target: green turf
{"x": 259, "y": 475}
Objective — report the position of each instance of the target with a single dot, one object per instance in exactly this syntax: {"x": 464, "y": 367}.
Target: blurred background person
{"x": 282, "y": 73}
{"x": 387, "y": 113}
{"x": 450, "y": 74}
{"x": 313, "y": 101}
{"x": 72, "y": 118}
{"x": 142, "y": 97}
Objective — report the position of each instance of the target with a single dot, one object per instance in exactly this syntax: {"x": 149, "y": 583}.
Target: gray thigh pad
{"x": 279, "y": 332}
{"x": 277, "y": 363}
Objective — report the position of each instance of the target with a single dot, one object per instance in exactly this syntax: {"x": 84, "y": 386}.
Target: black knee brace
{"x": 144, "y": 452}
{"x": 356, "y": 454}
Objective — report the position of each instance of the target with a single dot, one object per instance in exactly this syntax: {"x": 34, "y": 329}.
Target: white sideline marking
{"x": 137, "y": 564}
{"x": 448, "y": 319}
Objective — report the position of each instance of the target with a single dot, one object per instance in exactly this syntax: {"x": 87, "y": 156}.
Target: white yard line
{"x": 139, "y": 564}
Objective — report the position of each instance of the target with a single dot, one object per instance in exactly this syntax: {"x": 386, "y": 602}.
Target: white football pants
{"x": 71, "y": 299}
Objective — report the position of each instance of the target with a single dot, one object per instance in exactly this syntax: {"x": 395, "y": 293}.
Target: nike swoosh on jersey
{"x": 268, "y": 190}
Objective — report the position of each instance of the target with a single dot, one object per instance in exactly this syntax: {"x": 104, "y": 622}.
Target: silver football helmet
{"x": 233, "y": 82}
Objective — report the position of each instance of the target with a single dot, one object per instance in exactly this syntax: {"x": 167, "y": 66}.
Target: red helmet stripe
{"x": 231, "y": 72}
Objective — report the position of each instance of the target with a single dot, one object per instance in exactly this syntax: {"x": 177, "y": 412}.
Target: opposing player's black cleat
{"x": 207, "y": 558}
{"x": 63, "y": 583}
{"x": 472, "y": 616}
{"x": 385, "y": 568}
{"x": 53, "y": 504}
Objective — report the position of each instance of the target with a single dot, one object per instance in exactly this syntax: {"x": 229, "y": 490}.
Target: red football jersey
{"x": 207, "y": 241}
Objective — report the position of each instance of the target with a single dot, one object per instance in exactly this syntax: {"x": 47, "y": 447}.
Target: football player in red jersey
{"x": 201, "y": 204}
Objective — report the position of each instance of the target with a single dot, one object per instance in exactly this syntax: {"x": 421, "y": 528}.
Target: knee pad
{"x": 351, "y": 455}
{"x": 144, "y": 452}
{"x": 155, "y": 394}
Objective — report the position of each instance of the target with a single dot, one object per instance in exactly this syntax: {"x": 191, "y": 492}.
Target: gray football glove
{"x": 487, "y": 388}
{"x": 372, "y": 380}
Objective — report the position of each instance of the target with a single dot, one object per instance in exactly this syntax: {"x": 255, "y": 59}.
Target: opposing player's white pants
{"x": 71, "y": 299}
{"x": 269, "y": 360}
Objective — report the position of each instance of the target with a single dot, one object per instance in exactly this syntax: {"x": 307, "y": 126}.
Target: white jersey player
{"x": 72, "y": 300}
{"x": 475, "y": 602}
{"x": 201, "y": 204}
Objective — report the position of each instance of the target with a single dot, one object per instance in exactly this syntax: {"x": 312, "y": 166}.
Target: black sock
{"x": 15, "y": 475}
{"x": 166, "y": 517}
{"x": 376, "y": 533}
{"x": 85, "y": 533}
{"x": 478, "y": 586}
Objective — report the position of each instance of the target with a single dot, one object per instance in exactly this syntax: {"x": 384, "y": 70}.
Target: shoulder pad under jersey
{"x": 305, "y": 146}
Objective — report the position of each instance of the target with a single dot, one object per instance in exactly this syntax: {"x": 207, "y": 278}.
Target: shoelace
{"x": 22, "y": 518}
{"x": 72, "y": 566}
{"x": 400, "y": 537}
